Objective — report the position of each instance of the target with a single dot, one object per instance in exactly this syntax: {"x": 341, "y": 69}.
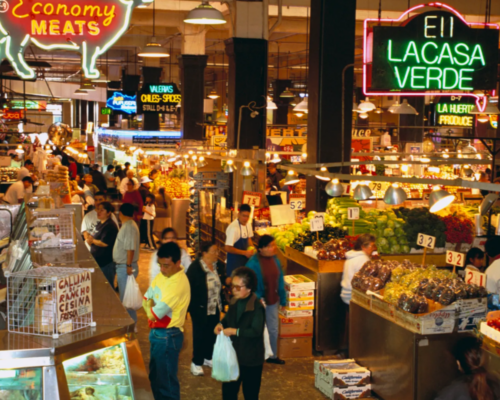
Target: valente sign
{"x": 434, "y": 51}
{"x": 89, "y": 27}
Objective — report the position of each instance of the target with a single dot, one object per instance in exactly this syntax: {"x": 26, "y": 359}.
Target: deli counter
{"x": 102, "y": 362}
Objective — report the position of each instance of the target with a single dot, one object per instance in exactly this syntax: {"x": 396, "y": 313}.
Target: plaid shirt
{"x": 213, "y": 289}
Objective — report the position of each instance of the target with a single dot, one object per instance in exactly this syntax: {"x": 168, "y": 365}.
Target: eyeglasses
{"x": 216, "y": 252}
{"x": 237, "y": 287}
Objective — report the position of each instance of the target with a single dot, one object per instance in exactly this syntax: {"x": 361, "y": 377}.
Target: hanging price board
{"x": 353, "y": 213}
{"x": 454, "y": 258}
{"x": 317, "y": 224}
{"x": 297, "y": 202}
{"x": 426, "y": 241}
{"x": 476, "y": 277}
{"x": 252, "y": 199}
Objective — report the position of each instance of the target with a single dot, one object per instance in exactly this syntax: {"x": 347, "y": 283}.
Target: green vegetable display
{"x": 420, "y": 220}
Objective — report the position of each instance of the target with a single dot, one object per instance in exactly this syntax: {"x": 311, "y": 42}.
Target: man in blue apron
{"x": 238, "y": 235}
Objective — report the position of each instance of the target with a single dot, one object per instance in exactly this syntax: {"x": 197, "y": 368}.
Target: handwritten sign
{"x": 317, "y": 224}
{"x": 353, "y": 213}
{"x": 426, "y": 241}
{"x": 454, "y": 258}
{"x": 476, "y": 277}
{"x": 252, "y": 199}
{"x": 74, "y": 296}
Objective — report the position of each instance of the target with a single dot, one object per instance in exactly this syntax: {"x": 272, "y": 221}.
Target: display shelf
{"x": 312, "y": 263}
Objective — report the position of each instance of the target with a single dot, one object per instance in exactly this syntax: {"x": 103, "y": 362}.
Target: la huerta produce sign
{"x": 432, "y": 51}
{"x": 159, "y": 98}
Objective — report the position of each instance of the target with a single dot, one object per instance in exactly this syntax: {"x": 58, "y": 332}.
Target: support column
{"x": 151, "y": 75}
{"x": 281, "y": 114}
{"x": 331, "y": 50}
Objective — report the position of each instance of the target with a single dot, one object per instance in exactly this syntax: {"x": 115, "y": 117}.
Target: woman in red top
{"x": 133, "y": 197}
{"x": 73, "y": 170}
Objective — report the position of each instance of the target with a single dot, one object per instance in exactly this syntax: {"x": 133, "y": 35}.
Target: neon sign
{"x": 162, "y": 98}
{"x": 455, "y": 112}
{"x": 89, "y": 27}
{"x": 434, "y": 51}
{"x": 123, "y": 103}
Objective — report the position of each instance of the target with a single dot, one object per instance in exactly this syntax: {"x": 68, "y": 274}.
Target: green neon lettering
{"x": 402, "y": 84}
{"x": 465, "y": 78}
{"x": 446, "y": 48}
{"x": 445, "y": 78}
{"x": 434, "y": 78}
{"x": 465, "y": 55}
{"x": 480, "y": 57}
{"x": 389, "y": 53}
{"x": 423, "y": 53}
{"x": 409, "y": 52}
{"x": 414, "y": 77}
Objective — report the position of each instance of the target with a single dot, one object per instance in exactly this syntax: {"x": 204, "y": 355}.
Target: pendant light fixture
{"x": 323, "y": 178}
{"x": 247, "y": 170}
{"x": 205, "y": 14}
{"x": 405, "y": 108}
{"x": 201, "y": 162}
{"x": 439, "y": 199}
{"x": 153, "y": 49}
{"x": 213, "y": 93}
{"x": 363, "y": 115}
{"x": 271, "y": 105}
{"x": 366, "y": 105}
{"x": 303, "y": 106}
{"x": 287, "y": 94}
{"x": 362, "y": 192}
{"x": 483, "y": 118}
{"x": 394, "y": 195}
{"x": 334, "y": 188}
{"x": 394, "y": 107}
{"x": 276, "y": 159}
{"x": 229, "y": 167}
{"x": 291, "y": 178}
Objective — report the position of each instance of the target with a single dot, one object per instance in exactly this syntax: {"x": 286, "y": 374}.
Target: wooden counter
{"x": 312, "y": 263}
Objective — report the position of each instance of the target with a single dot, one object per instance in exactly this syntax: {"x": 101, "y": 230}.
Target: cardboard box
{"x": 470, "y": 322}
{"x": 342, "y": 373}
{"x": 298, "y": 282}
{"x": 295, "y": 327}
{"x": 300, "y": 295}
{"x": 300, "y": 305}
{"x": 336, "y": 393}
{"x": 440, "y": 321}
{"x": 295, "y": 347}
{"x": 296, "y": 313}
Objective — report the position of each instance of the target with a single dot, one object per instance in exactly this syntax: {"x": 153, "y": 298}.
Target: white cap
{"x": 145, "y": 179}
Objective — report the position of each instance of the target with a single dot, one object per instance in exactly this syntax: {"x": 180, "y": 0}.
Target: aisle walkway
{"x": 294, "y": 381}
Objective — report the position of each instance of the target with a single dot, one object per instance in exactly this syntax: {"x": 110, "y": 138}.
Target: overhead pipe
{"x": 280, "y": 17}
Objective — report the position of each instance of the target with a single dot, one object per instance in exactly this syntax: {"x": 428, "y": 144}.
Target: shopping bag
{"x": 132, "y": 297}
{"x": 224, "y": 361}
{"x": 267, "y": 344}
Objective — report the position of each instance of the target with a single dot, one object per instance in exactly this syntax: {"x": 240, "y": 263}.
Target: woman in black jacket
{"x": 206, "y": 277}
{"x": 244, "y": 323}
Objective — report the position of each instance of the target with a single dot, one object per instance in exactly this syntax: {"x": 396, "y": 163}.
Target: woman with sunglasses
{"x": 244, "y": 324}
{"x": 168, "y": 235}
{"x": 206, "y": 277}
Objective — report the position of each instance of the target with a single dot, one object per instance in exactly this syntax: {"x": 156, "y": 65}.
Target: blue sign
{"x": 123, "y": 103}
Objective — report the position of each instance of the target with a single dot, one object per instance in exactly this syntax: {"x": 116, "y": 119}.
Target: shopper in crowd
{"x": 126, "y": 251}
{"x": 244, "y": 324}
{"x": 144, "y": 188}
{"x": 98, "y": 178}
{"x": 274, "y": 175}
{"x": 133, "y": 197}
{"x": 473, "y": 260}
{"x": 238, "y": 234}
{"x": 270, "y": 288}
{"x": 166, "y": 303}
{"x": 15, "y": 160}
{"x": 147, "y": 222}
{"x": 355, "y": 259}
{"x": 16, "y": 192}
{"x": 152, "y": 176}
{"x": 483, "y": 178}
{"x": 91, "y": 219}
{"x": 124, "y": 171}
{"x": 109, "y": 175}
{"x": 302, "y": 183}
{"x": 163, "y": 211}
{"x": 72, "y": 168}
{"x": 27, "y": 170}
{"x": 270, "y": 187}
{"x": 128, "y": 177}
{"x": 103, "y": 240}
{"x": 91, "y": 188}
{"x": 492, "y": 248}
{"x": 474, "y": 383}
{"x": 206, "y": 278}
{"x": 168, "y": 235}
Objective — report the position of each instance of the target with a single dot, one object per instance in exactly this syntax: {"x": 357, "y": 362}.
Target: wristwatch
{"x": 129, "y": 265}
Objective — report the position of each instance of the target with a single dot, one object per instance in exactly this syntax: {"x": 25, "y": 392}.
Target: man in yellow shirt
{"x": 166, "y": 303}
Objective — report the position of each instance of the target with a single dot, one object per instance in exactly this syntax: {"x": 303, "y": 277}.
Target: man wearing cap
{"x": 124, "y": 181}
{"x": 144, "y": 188}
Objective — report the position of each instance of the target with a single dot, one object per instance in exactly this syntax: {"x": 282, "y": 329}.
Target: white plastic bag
{"x": 267, "y": 344}
{"x": 224, "y": 361}
{"x": 133, "y": 297}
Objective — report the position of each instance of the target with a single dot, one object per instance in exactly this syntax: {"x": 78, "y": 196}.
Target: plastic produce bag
{"x": 224, "y": 361}
{"x": 267, "y": 344}
{"x": 133, "y": 297}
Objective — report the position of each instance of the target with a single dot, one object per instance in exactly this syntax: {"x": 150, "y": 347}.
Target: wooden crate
{"x": 312, "y": 263}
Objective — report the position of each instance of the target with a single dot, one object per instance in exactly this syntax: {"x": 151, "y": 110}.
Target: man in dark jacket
{"x": 98, "y": 178}
{"x": 244, "y": 323}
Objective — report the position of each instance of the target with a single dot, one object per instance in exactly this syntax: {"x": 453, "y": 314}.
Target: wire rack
{"x": 49, "y": 301}
{"x": 53, "y": 228}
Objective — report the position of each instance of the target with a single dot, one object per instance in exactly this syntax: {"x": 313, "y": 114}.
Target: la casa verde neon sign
{"x": 434, "y": 51}
{"x": 89, "y": 27}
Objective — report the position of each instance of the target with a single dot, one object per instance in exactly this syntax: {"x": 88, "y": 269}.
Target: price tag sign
{"x": 353, "y": 213}
{"x": 426, "y": 241}
{"x": 252, "y": 198}
{"x": 454, "y": 258}
{"x": 317, "y": 224}
{"x": 476, "y": 277}
{"x": 297, "y": 202}
{"x": 426, "y": 194}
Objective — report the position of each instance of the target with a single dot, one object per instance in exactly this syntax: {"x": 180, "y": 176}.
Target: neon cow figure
{"x": 87, "y": 27}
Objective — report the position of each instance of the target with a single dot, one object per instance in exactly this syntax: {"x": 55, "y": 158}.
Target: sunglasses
{"x": 237, "y": 287}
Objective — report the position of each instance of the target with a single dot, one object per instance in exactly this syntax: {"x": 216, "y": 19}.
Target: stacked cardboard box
{"x": 342, "y": 379}
{"x": 296, "y": 321}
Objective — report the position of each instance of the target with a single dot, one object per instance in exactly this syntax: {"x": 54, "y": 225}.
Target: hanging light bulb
{"x": 276, "y": 158}
{"x": 299, "y": 114}
{"x": 291, "y": 178}
{"x": 304, "y": 156}
{"x": 213, "y": 95}
{"x": 378, "y": 110}
{"x": 20, "y": 149}
{"x": 362, "y": 192}
{"x": 394, "y": 195}
{"x": 154, "y": 50}
{"x": 366, "y": 105}
{"x": 334, "y": 188}
{"x": 247, "y": 170}
{"x": 303, "y": 106}
{"x": 394, "y": 107}
{"x": 363, "y": 115}
{"x": 439, "y": 199}
{"x": 201, "y": 162}
{"x": 271, "y": 105}
{"x": 229, "y": 167}
{"x": 205, "y": 14}
{"x": 405, "y": 108}
{"x": 323, "y": 178}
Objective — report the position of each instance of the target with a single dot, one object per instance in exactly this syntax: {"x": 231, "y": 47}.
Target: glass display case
{"x": 102, "y": 374}
{"x": 21, "y": 384}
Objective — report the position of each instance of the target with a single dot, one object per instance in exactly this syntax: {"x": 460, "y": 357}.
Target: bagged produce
{"x": 224, "y": 361}
{"x": 132, "y": 298}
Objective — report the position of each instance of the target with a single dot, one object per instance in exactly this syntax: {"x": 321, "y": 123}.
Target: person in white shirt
{"x": 91, "y": 219}
{"x": 15, "y": 193}
{"x": 27, "y": 170}
{"x": 147, "y": 222}
{"x": 123, "y": 183}
{"x": 492, "y": 247}
{"x": 238, "y": 235}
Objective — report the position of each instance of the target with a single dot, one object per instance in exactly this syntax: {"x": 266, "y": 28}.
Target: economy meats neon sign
{"x": 434, "y": 52}
{"x": 89, "y": 27}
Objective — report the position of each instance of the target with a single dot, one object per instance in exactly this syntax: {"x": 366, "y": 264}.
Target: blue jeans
{"x": 165, "y": 347}
{"x": 121, "y": 273}
{"x": 272, "y": 326}
{"x": 109, "y": 272}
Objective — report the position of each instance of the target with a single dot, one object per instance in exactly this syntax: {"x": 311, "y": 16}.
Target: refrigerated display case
{"x": 21, "y": 384}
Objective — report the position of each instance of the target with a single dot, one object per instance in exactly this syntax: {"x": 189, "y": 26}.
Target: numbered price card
{"x": 472, "y": 276}
{"x": 252, "y": 199}
{"x": 353, "y": 213}
{"x": 426, "y": 241}
{"x": 297, "y": 202}
{"x": 454, "y": 258}
{"x": 317, "y": 224}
